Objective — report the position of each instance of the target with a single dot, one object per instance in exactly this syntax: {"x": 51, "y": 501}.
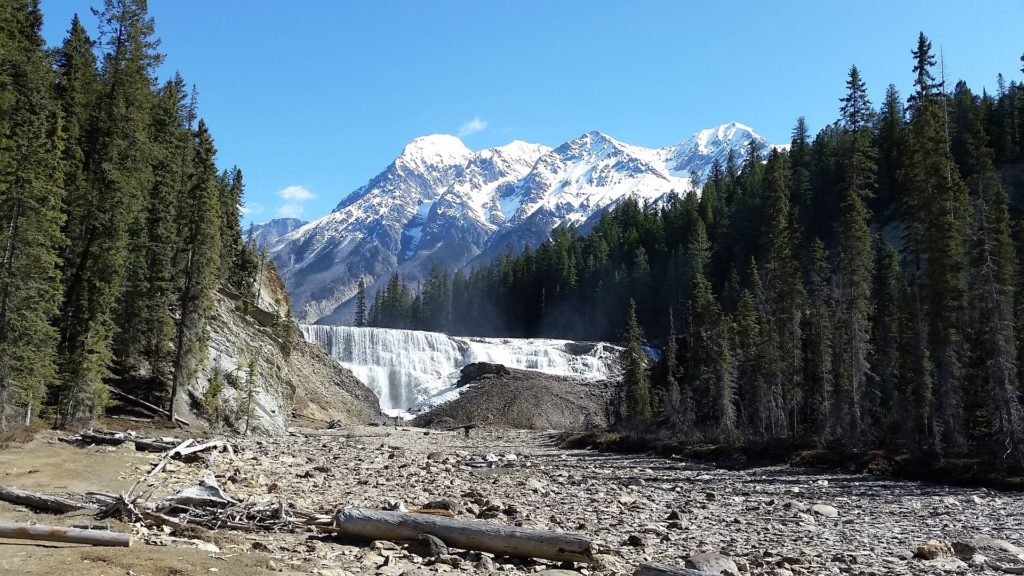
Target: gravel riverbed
{"x": 638, "y": 509}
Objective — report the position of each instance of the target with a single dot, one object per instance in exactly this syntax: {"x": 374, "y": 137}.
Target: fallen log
{"x": 154, "y": 444}
{"x": 68, "y": 535}
{"x": 40, "y": 501}
{"x": 466, "y": 534}
{"x": 100, "y": 437}
{"x": 147, "y": 406}
{"x": 663, "y": 570}
{"x": 167, "y": 457}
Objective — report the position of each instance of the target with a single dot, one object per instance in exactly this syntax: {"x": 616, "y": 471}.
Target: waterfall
{"x": 406, "y": 368}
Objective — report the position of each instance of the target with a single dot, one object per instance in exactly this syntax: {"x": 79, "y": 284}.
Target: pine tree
{"x": 784, "y": 293}
{"x": 670, "y": 403}
{"x": 711, "y": 364}
{"x": 106, "y": 225}
{"x": 800, "y": 160}
{"x": 239, "y": 260}
{"x": 855, "y": 261}
{"x": 199, "y": 264}
{"x": 937, "y": 210}
{"x": 30, "y": 206}
{"x": 885, "y": 404}
{"x": 360, "y": 318}
{"x": 819, "y": 337}
{"x": 749, "y": 360}
{"x": 77, "y": 90}
{"x": 891, "y": 138}
{"x": 993, "y": 272}
{"x": 636, "y": 391}
{"x": 854, "y": 310}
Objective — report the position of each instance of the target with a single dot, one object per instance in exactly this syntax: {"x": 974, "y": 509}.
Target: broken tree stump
{"x": 40, "y": 501}
{"x": 68, "y": 535}
{"x": 466, "y": 534}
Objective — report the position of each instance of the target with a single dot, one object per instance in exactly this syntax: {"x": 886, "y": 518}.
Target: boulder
{"x": 712, "y": 563}
{"x": 933, "y": 549}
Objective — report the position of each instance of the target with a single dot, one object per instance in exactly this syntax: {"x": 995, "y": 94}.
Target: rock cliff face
{"x": 260, "y": 373}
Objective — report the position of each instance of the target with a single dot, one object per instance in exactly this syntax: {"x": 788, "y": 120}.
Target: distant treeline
{"x": 116, "y": 224}
{"x": 857, "y": 290}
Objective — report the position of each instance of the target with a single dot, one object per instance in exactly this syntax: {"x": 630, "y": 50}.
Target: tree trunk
{"x": 39, "y": 501}
{"x": 466, "y": 534}
{"x": 69, "y": 535}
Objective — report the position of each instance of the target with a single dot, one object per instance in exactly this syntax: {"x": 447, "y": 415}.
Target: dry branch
{"x": 147, "y": 406}
{"x": 466, "y": 534}
{"x": 69, "y": 535}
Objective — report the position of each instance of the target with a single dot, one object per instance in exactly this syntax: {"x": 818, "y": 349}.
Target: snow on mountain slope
{"x": 440, "y": 203}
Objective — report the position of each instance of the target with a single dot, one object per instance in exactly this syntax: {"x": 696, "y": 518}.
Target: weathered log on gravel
{"x": 101, "y": 437}
{"x": 167, "y": 457}
{"x": 40, "y": 501}
{"x": 663, "y": 570}
{"x": 69, "y": 535}
{"x": 147, "y": 406}
{"x": 154, "y": 444}
{"x": 466, "y": 534}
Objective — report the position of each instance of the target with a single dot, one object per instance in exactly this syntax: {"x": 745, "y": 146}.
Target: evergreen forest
{"x": 117, "y": 225}
{"x": 860, "y": 288}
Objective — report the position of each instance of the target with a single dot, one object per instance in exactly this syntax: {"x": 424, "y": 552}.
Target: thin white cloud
{"x": 252, "y": 209}
{"x": 290, "y": 210}
{"x": 475, "y": 125}
{"x": 296, "y": 193}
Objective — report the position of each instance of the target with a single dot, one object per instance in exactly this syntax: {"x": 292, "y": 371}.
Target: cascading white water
{"x": 406, "y": 368}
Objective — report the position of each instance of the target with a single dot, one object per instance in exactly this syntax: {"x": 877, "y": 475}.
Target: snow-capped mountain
{"x": 440, "y": 202}
{"x": 267, "y": 232}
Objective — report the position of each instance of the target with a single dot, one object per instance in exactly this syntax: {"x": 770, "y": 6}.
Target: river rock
{"x": 427, "y": 546}
{"x": 825, "y": 510}
{"x": 933, "y": 549}
{"x": 712, "y": 563}
{"x": 988, "y": 546}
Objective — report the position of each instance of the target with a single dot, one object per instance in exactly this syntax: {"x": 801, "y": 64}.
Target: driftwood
{"x": 147, "y": 406}
{"x": 663, "y": 570}
{"x": 69, "y": 535}
{"x": 40, "y": 501}
{"x": 155, "y": 444}
{"x": 466, "y": 534}
{"x": 102, "y": 437}
{"x": 167, "y": 457}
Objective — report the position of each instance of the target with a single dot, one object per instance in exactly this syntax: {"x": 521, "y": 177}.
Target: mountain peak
{"x": 437, "y": 150}
{"x": 731, "y": 134}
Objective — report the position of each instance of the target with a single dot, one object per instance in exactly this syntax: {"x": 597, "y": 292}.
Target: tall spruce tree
{"x": 198, "y": 265}
{"x": 636, "y": 389}
{"x": 31, "y": 210}
{"x": 360, "y": 317}
{"x": 885, "y": 402}
{"x": 938, "y": 215}
{"x": 106, "y": 225}
{"x": 855, "y": 261}
{"x": 77, "y": 90}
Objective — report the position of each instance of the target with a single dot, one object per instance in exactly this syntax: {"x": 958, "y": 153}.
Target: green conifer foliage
{"x": 31, "y": 213}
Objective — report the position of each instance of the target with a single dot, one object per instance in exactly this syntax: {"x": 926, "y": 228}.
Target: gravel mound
{"x": 501, "y": 397}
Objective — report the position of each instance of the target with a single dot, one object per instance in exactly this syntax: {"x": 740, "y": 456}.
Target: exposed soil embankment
{"x": 502, "y": 397}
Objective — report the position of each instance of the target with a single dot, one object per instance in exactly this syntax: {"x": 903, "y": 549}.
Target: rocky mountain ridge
{"x": 440, "y": 203}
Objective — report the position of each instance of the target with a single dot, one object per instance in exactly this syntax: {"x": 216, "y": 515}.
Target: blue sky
{"x": 313, "y": 98}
